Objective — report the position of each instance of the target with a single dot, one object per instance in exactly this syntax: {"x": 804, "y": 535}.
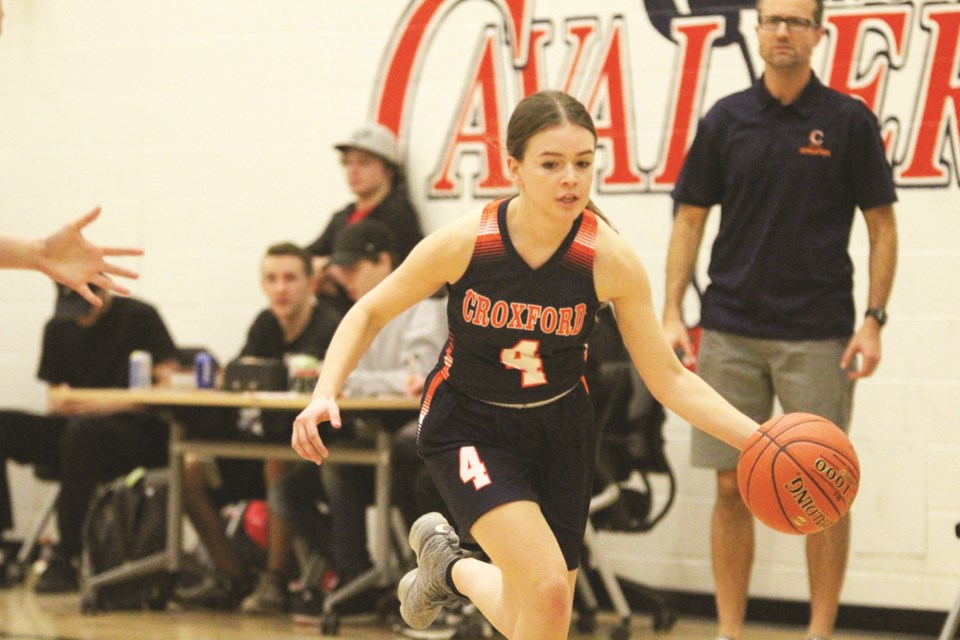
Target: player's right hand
{"x": 305, "y": 439}
{"x": 678, "y": 337}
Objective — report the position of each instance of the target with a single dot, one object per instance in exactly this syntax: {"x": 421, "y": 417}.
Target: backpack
{"x": 127, "y": 521}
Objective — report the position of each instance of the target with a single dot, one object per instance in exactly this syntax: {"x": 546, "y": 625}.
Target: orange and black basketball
{"x": 798, "y": 473}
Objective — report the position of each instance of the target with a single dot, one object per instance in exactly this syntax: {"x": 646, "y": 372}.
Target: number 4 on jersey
{"x": 472, "y": 468}
{"x": 525, "y": 356}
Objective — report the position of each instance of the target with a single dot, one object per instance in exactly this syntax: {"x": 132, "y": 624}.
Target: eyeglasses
{"x": 794, "y": 25}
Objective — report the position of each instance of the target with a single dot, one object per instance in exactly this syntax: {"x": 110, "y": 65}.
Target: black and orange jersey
{"x": 518, "y": 335}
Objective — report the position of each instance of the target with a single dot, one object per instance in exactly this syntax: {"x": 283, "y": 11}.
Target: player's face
{"x": 556, "y": 172}
{"x": 784, "y": 47}
{"x": 363, "y": 275}
{"x": 285, "y": 282}
{"x": 367, "y": 174}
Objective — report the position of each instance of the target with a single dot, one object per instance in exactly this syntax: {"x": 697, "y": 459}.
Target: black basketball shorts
{"x": 482, "y": 456}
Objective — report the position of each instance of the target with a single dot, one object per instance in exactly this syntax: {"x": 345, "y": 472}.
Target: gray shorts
{"x": 804, "y": 375}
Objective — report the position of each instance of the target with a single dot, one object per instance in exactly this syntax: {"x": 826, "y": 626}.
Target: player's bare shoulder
{"x": 448, "y": 249}
{"x": 616, "y": 265}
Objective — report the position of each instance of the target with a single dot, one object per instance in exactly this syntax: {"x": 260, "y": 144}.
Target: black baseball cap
{"x": 71, "y": 305}
{"x": 363, "y": 240}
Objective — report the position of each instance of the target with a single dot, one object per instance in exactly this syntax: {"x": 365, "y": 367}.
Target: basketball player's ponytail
{"x": 593, "y": 207}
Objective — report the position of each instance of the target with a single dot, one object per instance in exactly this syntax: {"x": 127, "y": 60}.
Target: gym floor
{"x": 27, "y": 616}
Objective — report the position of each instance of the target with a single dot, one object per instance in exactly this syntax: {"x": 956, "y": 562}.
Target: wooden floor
{"x": 26, "y": 616}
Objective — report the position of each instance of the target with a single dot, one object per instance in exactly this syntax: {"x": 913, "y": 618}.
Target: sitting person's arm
{"x": 57, "y": 406}
{"x": 403, "y": 354}
{"x": 163, "y": 372}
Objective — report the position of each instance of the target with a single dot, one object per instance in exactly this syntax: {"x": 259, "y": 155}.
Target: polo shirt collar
{"x": 804, "y": 104}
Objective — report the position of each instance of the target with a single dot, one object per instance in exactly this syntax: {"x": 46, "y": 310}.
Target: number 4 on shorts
{"x": 472, "y": 468}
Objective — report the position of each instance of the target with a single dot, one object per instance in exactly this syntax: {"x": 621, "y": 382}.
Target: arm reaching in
{"x": 69, "y": 258}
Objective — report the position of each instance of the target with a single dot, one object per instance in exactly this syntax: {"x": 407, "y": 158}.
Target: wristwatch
{"x": 877, "y": 313}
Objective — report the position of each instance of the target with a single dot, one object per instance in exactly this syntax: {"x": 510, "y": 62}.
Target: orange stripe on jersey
{"x": 579, "y": 256}
{"x": 442, "y": 375}
{"x": 489, "y": 243}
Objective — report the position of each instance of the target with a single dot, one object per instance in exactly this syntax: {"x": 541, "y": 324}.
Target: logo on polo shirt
{"x": 815, "y": 148}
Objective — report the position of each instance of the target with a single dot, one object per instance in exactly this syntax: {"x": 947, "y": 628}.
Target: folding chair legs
{"x": 949, "y": 630}
{"x": 952, "y": 622}
{"x": 36, "y": 530}
{"x": 587, "y": 622}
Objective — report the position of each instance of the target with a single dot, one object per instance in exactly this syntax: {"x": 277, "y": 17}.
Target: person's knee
{"x": 552, "y": 595}
{"x": 728, "y": 493}
{"x": 543, "y": 585}
{"x": 727, "y": 487}
{"x": 275, "y": 470}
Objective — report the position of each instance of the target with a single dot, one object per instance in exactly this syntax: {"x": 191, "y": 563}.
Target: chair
{"x": 952, "y": 623}
{"x": 629, "y": 453}
{"x": 17, "y": 570}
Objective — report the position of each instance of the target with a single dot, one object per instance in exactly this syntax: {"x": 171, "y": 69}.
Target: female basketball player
{"x": 507, "y": 428}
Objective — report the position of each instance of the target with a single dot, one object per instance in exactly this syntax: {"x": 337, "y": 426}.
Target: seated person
{"x": 371, "y": 162}
{"x": 396, "y": 363}
{"x": 294, "y": 323}
{"x": 87, "y": 443}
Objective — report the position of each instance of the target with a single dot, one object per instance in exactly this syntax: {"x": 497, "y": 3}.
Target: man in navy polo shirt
{"x": 788, "y": 161}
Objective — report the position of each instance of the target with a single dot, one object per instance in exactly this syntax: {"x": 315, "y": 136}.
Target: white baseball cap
{"x": 376, "y": 139}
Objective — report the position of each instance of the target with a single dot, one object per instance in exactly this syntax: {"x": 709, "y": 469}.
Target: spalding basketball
{"x": 798, "y": 473}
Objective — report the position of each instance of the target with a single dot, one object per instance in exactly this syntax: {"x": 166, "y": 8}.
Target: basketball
{"x": 798, "y": 473}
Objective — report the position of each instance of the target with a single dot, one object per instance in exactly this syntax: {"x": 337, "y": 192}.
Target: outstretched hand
{"x": 306, "y": 440}
{"x": 70, "y": 259}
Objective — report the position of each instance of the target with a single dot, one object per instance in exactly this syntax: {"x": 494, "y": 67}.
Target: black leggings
{"x": 100, "y": 447}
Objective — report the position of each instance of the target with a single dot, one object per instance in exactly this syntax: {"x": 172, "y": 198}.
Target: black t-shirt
{"x": 788, "y": 179}
{"x": 396, "y": 211}
{"x": 265, "y": 338}
{"x": 98, "y": 356}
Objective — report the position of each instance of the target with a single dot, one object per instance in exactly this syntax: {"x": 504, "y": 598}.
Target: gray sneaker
{"x": 212, "y": 591}
{"x": 424, "y": 591}
{"x": 269, "y": 596}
